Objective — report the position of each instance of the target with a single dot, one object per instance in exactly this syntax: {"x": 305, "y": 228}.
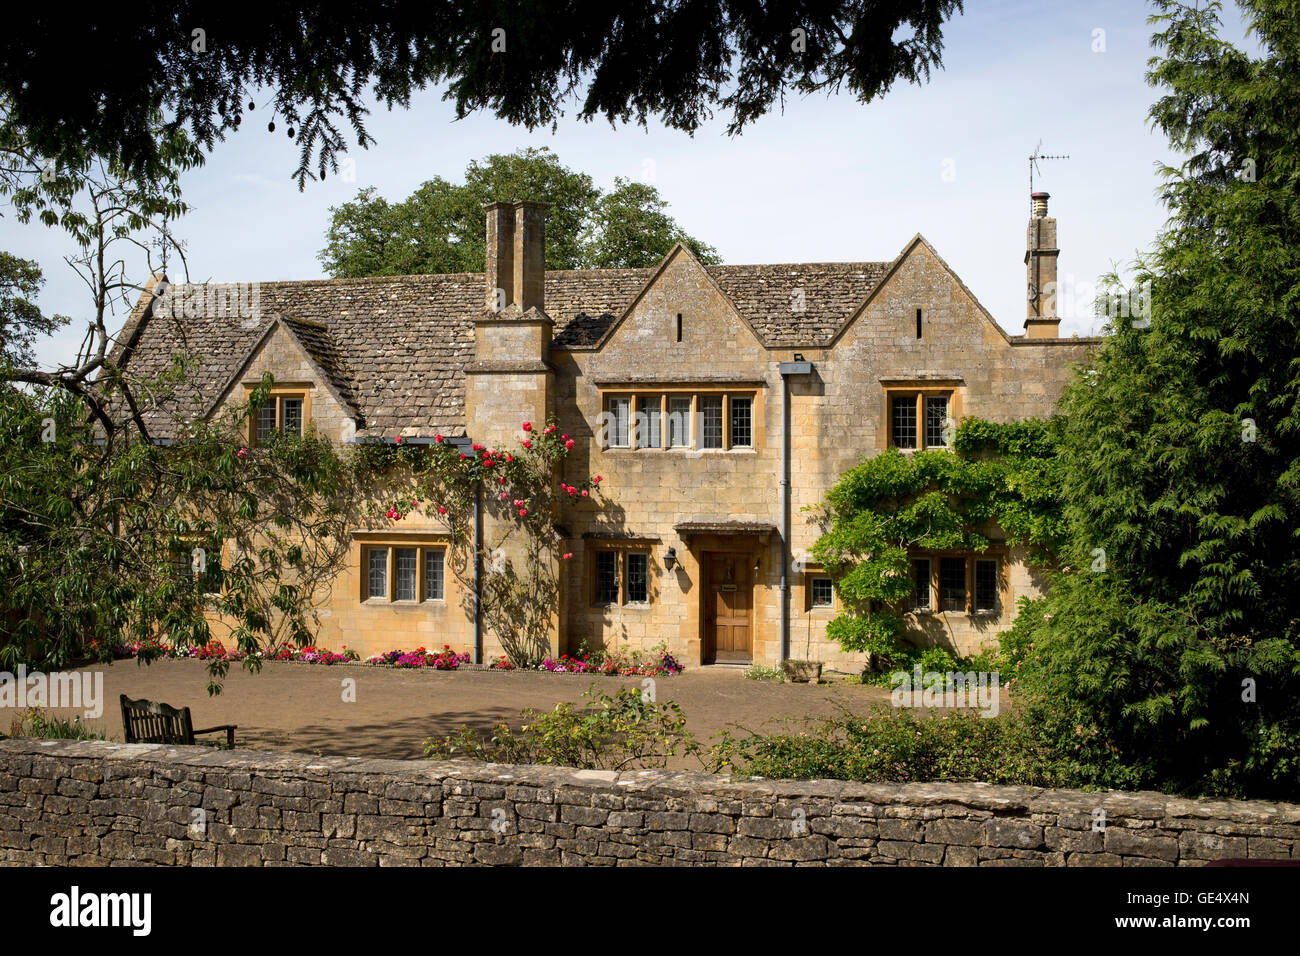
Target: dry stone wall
{"x": 95, "y": 803}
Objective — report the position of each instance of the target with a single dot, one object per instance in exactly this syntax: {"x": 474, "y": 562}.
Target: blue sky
{"x": 828, "y": 180}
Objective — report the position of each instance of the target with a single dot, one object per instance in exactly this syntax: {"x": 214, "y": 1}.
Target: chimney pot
{"x": 1040, "y": 203}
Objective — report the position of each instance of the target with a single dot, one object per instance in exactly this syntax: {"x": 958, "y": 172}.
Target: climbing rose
{"x": 523, "y": 512}
{"x": 569, "y": 443}
{"x": 462, "y": 456}
{"x": 567, "y": 555}
{"x": 438, "y": 439}
{"x": 510, "y": 457}
{"x": 528, "y": 426}
{"x": 242, "y": 452}
{"x": 598, "y": 479}
{"x": 503, "y": 496}
{"x": 478, "y": 447}
{"x": 564, "y": 438}
{"x": 527, "y": 444}
{"x": 441, "y": 510}
{"x": 399, "y": 439}
{"x": 584, "y": 492}
{"x": 501, "y": 480}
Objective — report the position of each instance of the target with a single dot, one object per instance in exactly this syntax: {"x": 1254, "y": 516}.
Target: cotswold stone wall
{"x": 81, "y": 803}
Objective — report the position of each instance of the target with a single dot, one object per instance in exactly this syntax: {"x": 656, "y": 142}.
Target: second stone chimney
{"x": 516, "y": 257}
{"x": 1041, "y": 319}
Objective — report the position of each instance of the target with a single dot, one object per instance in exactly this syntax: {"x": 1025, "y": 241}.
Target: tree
{"x": 523, "y": 490}
{"x": 205, "y": 67}
{"x": 21, "y": 320}
{"x": 999, "y": 479}
{"x": 1167, "y": 652}
{"x": 439, "y": 227}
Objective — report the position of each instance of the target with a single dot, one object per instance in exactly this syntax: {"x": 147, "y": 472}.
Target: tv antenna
{"x": 1034, "y": 159}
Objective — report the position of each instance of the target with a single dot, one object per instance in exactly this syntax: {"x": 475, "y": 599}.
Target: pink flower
{"x": 399, "y": 439}
{"x": 564, "y": 438}
{"x": 584, "y": 492}
{"x": 441, "y": 510}
{"x": 478, "y": 447}
{"x": 549, "y": 429}
{"x": 501, "y": 480}
{"x": 438, "y": 439}
{"x": 241, "y": 453}
{"x": 503, "y": 496}
{"x": 569, "y": 443}
{"x": 597, "y": 479}
{"x": 567, "y": 555}
{"x": 528, "y": 426}
{"x": 523, "y": 512}
{"x": 572, "y": 491}
{"x": 510, "y": 457}
{"x": 518, "y": 502}
{"x": 462, "y": 456}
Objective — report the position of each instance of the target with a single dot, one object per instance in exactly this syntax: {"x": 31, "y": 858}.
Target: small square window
{"x": 823, "y": 593}
{"x": 606, "y": 577}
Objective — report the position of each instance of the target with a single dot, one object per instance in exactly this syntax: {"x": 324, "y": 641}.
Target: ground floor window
{"x": 961, "y": 583}
{"x": 620, "y": 577}
{"x": 403, "y": 573}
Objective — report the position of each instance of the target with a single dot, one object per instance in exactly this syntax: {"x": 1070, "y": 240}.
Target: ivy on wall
{"x": 1000, "y": 482}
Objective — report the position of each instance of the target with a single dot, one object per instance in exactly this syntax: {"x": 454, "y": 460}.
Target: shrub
{"x": 888, "y": 745}
{"x": 626, "y": 731}
{"x": 759, "y": 672}
{"x": 33, "y": 722}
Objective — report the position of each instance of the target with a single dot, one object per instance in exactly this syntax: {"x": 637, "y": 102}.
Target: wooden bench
{"x": 149, "y": 722}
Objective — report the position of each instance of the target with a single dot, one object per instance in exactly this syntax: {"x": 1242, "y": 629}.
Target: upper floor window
{"x": 821, "y": 592}
{"x": 920, "y": 419}
{"x": 710, "y": 419}
{"x": 281, "y": 413}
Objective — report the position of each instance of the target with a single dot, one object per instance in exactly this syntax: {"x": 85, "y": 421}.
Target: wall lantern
{"x": 670, "y": 559}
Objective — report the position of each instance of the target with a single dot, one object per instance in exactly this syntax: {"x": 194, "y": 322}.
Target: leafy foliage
{"x": 524, "y": 489}
{"x": 622, "y": 732}
{"x": 674, "y": 59}
{"x": 100, "y": 538}
{"x": 1000, "y": 479}
{"x": 1170, "y": 639}
{"x": 439, "y": 227}
{"x": 894, "y": 745}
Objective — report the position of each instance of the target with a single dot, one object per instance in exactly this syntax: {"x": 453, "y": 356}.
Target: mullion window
{"x": 921, "y": 599}
{"x": 952, "y": 584}
{"x": 986, "y": 585}
{"x": 936, "y": 420}
{"x": 741, "y": 422}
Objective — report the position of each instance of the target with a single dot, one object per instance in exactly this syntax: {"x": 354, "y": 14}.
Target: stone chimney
{"x": 1041, "y": 319}
{"x": 516, "y": 257}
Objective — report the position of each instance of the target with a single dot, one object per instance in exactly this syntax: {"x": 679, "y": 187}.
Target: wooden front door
{"x": 729, "y": 607}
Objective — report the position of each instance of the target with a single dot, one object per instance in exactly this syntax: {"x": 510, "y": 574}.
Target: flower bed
{"x": 661, "y": 664}
{"x": 443, "y": 660}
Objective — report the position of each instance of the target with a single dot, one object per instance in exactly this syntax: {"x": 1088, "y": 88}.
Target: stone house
{"x": 715, "y": 402}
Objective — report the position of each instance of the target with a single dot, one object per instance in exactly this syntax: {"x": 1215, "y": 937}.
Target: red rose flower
{"x": 528, "y": 426}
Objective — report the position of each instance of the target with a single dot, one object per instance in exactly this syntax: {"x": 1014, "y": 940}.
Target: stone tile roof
{"x": 803, "y": 304}
{"x": 396, "y": 347}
